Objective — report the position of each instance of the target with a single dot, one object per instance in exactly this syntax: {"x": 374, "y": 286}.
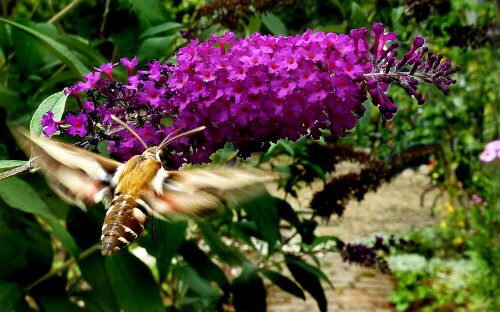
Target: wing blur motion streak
{"x": 76, "y": 175}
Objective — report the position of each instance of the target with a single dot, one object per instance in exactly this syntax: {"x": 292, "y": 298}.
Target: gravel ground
{"x": 394, "y": 207}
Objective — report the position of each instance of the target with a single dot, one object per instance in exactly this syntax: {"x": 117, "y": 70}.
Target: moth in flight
{"x": 136, "y": 190}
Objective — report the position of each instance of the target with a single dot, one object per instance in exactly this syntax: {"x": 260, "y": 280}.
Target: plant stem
{"x": 64, "y": 11}
{"x": 63, "y": 267}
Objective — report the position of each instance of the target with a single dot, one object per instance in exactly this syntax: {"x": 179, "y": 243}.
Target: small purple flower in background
{"x": 78, "y": 124}
{"x": 106, "y": 68}
{"x": 129, "y": 64}
{"x": 491, "y": 151}
{"x": 472, "y": 231}
{"x": 477, "y": 199}
{"x": 48, "y": 121}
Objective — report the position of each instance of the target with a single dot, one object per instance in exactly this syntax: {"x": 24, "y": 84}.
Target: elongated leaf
{"x": 203, "y": 265}
{"x": 10, "y": 293}
{"x": 249, "y": 293}
{"x": 168, "y": 237}
{"x": 358, "y": 16}
{"x": 244, "y": 230}
{"x": 158, "y": 29}
{"x": 157, "y": 47}
{"x": 274, "y": 24}
{"x": 11, "y": 164}
{"x": 198, "y": 284}
{"x": 149, "y": 12}
{"x": 316, "y": 168}
{"x": 94, "y": 271}
{"x": 287, "y": 147}
{"x": 54, "y": 103}
{"x": 286, "y": 212}
{"x": 59, "y": 50}
{"x": 132, "y": 283}
{"x": 308, "y": 281}
{"x": 82, "y": 47}
{"x": 311, "y": 269}
{"x": 20, "y": 195}
{"x": 284, "y": 283}
{"x": 263, "y": 212}
{"x": 228, "y": 254}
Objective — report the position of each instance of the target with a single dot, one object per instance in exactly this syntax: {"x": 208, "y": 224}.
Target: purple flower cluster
{"x": 491, "y": 151}
{"x": 249, "y": 91}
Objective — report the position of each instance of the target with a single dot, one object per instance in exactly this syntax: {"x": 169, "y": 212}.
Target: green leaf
{"x": 30, "y": 54}
{"x": 10, "y": 293}
{"x": 198, "y": 284}
{"x": 94, "y": 271}
{"x": 284, "y": 283}
{"x": 286, "y": 212}
{"x": 358, "y": 17}
{"x": 309, "y": 281}
{"x": 305, "y": 266}
{"x": 11, "y": 101}
{"x": 82, "y": 46}
{"x": 132, "y": 283}
{"x": 20, "y": 195}
{"x": 149, "y": 12}
{"x": 287, "y": 146}
{"x": 323, "y": 239}
{"x": 244, "y": 230}
{"x": 168, "y": 237}
{"x": 397, "y": 12}
{"x": 263, "y": 212}
{"x": 253, "y": 25}
{"x": 315, "y": 168}
{"x": 59, "y": 50}
{"x": 11, "y": 164}
{"x": 274, "y": 24}
{"x": 158, "y": 29}
{"x": 54, "y": 103}
{"x": 203, "y": 264}
{"x": 228, "y": 254}
{"x": 249, "y": 293}
{"x": 156, "y": 48}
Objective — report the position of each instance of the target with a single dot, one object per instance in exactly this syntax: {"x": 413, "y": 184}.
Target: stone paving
{"x": 394, "y": 207}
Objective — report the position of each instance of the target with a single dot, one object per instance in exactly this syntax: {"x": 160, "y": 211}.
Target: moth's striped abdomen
{"x": 125, "y": 220}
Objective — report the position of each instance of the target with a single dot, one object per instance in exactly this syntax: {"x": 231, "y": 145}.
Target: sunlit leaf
{"x": 284, "y": 283}
{"x": 308, "y": 280}
{"x": 55, "y": 103}
{"x": 203, "y": 264}
{"x": 132, "y": 283}
{"x": 274, "y": 24}
{"x": 11, "y": 164}
{"x": 228, "y": 254}
{"x": 198, "y": 284}
{"x": 262, "y": 211}
{"x": 158, "y": 29}
{"x": 54, "y": 47}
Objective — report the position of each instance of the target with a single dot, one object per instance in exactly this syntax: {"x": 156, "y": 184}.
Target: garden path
{"x": 394, "y": 207}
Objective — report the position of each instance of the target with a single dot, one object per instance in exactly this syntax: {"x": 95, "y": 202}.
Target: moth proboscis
{"x": 137, "y": 189}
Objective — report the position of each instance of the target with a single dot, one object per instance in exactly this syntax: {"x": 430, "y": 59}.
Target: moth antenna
{"x": 167, "y": 141}
{"x": 119, "y": 121}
